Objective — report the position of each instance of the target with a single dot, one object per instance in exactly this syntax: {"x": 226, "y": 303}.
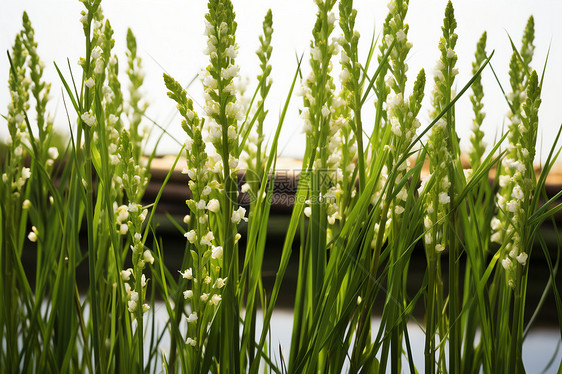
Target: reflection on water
{"x": 538, "y": 348}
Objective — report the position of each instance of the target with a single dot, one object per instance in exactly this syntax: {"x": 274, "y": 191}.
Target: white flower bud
{"x": 89, "y": 118}
{"x": 191, "y": 236}
{"x": 444, "y": 198}
{"x": 187, "y": 274}
{"x": 32, "y": 236}
{"x": 206, "y": 239}
{"x": 98, "y": 69}
{"x": 238, "y": 215}
{"x": 147, "y": 257}
{"x": 215, "y": 299}
{"x": 192, "y": 317}
{"x": 233, "y": 162}
{"x": 496, "y": 238}
{"x": 512, "y": 206}
{"x": 25, "y": 173}
{"x": 126, "y": 274}
{"x": 187, "y": 294}
{"x": 217, "y": 253}
{"x": 90, "y": 83}
{"x": 522, "y": 258}
{"x": 220, "y": 282}
{"x": 132, "y": 306}
{"x": 53, "y": 153}
{"x": 231, "y": 52}
{"x": 213, "y": 205}
{"x": 495, "y": 224}
{"x": 84, "y": 18}
{"x": 345, "y": 76}
{"x": 123, "y": 214}
{"x": 123, "y": 229}
{"x": 518, "y": 193}
{"x": 96, "y": 52}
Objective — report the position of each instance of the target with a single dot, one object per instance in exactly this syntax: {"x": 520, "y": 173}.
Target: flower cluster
{"x": 39, "y": 89}
{"x": 135, "y": 281}
{"x": 219, "y": 79}
{"x": 516, "y": 152}
{"x": 206, "y": 252}
{"x": 318, "y": 88}
{"x": 403, "y": 120}
{"x": 440, "y": 139}
{"x": 264, "y": 54}
{"x": 347, "y": 112}
{"x": 94, "y": 64}
{"x": 522, "y": 183}
{"x": 346, "y": 149}
{"x": 19, "y": 138}
{"x": 319, "y": 113}
{"x": 129, "y": 219}
{"x": 254, "y": 155}
{"x": 212, "y": 178}
{"x": 399, "y": 114}
{"x": 477, "y": 144}
{"x": 112, "y": 101}
{"x": 136, "y": 106}
{"x": 397, "y": 31}
{"x": 351, "y": 69}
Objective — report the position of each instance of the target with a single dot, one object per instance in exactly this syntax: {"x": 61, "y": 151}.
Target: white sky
{"x": 170, "y": 38}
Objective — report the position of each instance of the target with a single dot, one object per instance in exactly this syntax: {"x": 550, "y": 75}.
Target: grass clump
{"x": 363, "y": 208}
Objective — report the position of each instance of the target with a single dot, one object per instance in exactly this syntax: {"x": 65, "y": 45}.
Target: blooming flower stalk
{"x": 440, "y": 151}
{"x": 130, "y": 219}
{"x": 513, "y": 165}
{"x": 477, "y": 144}
{"x": 439, "y": 222}
{"x": 320, "y": 123}
{"x": 522, "y": 184}
{"x": 264, "y": 55}
{"x": 136, "y": 107}
{"x": 351, "y": 95}
{"x": 222, "y": 126}
{"x": 204, "y": 248}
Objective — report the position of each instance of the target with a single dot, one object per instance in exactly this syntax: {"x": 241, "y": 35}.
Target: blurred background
{"x": 170, "y": 39}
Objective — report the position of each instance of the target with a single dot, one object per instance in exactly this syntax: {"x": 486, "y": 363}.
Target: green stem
{"x": 359, "y": 136}
{"x": 230, "y": 357}
{"x": 10, "y": 296}
{"x": 454, "y": 269}
{"x": 430, "y": 315}
{"x": 139, "y": 332}
{"x": 515, "y": 358}
{"x": 92, "y": 250}
{"x": 364, "y": 323}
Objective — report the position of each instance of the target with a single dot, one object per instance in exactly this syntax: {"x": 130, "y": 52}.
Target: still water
{"x": 541, "y": 347}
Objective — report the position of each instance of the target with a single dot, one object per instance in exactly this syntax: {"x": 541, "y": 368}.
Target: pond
{"x": 542, "y": 349}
